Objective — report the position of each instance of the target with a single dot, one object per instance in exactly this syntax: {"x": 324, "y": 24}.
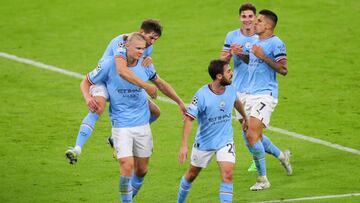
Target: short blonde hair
{"x": 135, "y": 36}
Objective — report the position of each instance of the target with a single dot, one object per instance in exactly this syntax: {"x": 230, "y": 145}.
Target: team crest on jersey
{"x": 96, "y": 70}
{"x": 248, "y": 45}
{"x": 222, "y": 106}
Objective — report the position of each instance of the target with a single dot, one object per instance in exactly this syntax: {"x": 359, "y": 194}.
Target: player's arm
{"x": 147, "y": 61}
{"x": 85, "y": 90}
{"x": 166, "y": 88}
{"x": 279, "y": 66}
{"x": 238, "y": 51}
{"x": 184, "y": 142}
{"x": 225, "y": 55}
{"x": 124, "y": 72}
{"x": 240, "y": 108}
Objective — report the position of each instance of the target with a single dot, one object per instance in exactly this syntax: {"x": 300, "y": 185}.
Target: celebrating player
{"x": 129, "y": 113}
{"x": 267, "y": 58}
{"x": 212, "y": 105}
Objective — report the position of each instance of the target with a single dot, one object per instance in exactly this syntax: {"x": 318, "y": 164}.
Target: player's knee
{"x": 126, "y": 167}
{"x": 141, "y": 171}
{"x": 227, "y": 175}
{"x": 191, "y": 174}
{"x": 252, "y": 136}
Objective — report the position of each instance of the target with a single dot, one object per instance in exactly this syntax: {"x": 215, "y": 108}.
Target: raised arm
{"x": 124, "y": 72}
{"x": 165, "y": 88}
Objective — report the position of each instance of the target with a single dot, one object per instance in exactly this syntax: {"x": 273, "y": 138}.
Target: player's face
{"x": 135, "y": 49}
{"x": 247, "y": 19}
{"x": 261, "y": 24}
{"x": 227, "y": 76}
{"x": 150, "y": 37}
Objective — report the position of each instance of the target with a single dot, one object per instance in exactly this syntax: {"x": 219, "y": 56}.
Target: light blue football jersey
{"x": 214, "y": 115}
{"x": 240, "y": 77}
{"x": 117, "y": 46}
{"x": 262, "y": 78}
{"x": 128, "y": 103}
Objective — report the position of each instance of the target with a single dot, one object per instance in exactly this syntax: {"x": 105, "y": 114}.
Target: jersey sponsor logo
{"x": 130, "y": 92}
{"x": 220, "y": 119}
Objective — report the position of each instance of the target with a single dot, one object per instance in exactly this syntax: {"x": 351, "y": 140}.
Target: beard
{"x": 225, "y": 82}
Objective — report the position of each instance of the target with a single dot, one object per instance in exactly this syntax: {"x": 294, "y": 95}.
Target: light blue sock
{"x": 125, "y": 189}
{"x": 184, "y": 189}
{"x": 258, "y": 153}
{"x": 270, "y": 147}
{"x": 86, "y": 128}
{"x": 136, "y": 183}
{"x": 153, "y": 118}
{"x": 226, "y": 192}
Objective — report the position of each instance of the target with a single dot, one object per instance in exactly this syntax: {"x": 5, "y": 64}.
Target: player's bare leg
{"x": 186, "y": 182}
{"x": 258, "y": 151}
{"x": 226, "y": 186}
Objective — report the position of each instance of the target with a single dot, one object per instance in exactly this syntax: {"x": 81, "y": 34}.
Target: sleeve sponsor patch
{"x": 95, "y": 71}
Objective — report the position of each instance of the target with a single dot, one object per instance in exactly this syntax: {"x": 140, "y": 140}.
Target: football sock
{"x": 258, "y": 153}
{"x": 184, "y": 189}
{"x": 270, "y": 147}
{"x": 246, "y": 141}
{"x": 226, "y": 192}
{"x": 86, "y": 128}
{"x": 136, "y": 183}
{"x": 125, "y": 189}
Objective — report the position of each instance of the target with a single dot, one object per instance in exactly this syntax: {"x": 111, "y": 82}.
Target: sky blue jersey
{"x": 128, "y": 103}
{"x": 262, "y": 78}
{"x": 213, "y": 112}
{"x": 240, "y": 77}
{"x": 117, "y": 45}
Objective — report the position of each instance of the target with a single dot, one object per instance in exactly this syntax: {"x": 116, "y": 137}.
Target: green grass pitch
{"x": 40, "y": 111}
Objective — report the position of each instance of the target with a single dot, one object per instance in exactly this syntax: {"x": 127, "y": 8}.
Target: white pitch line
{"x": 311, "y": 198}
{"x": 165, "y": 99}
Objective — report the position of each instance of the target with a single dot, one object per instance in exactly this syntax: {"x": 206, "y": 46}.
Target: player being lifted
{"x": 237, "y": 46}
{"x": 151, "y": 30}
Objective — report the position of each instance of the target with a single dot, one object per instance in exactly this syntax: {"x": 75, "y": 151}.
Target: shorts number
{"x": 231, "y": 148}
{"x": 263, "y": 105}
